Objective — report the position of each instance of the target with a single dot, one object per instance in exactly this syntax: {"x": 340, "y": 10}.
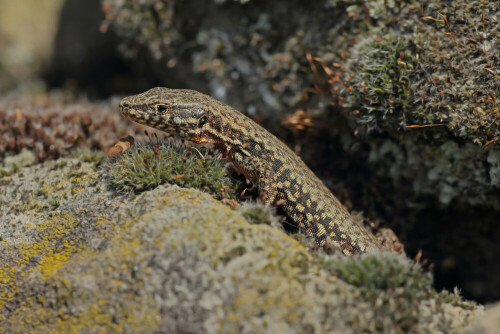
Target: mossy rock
{"x": 177, "y": 260}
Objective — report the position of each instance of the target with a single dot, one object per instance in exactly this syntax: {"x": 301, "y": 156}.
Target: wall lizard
{"x": 282, "y": 177}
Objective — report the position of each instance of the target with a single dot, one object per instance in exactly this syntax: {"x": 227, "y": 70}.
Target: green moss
{"x": 437, "y": 69}
{"x": 257, "y": 213}
{"x": 148, "y": 165}
{"x": 458, "y": 80}
{"x": 420, "y": 82}
{"x": 371, "y": 273}
{"x": 381, "y": 87}
{"x": 386, "y": 278}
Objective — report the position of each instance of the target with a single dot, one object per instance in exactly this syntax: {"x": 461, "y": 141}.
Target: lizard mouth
{"x": 132, "y": 113}
{"x": 124, "y": 108}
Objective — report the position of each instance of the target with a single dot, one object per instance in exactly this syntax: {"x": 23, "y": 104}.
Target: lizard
{"x": 282, "y": 177}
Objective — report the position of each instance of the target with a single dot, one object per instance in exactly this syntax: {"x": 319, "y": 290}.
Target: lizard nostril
{"x": 125, "y": 104}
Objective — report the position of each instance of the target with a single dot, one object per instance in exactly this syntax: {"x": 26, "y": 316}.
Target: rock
{"x": 77, "y": 258}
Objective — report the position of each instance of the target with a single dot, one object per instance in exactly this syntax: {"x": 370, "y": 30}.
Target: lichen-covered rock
{"x": 75, "y": 258}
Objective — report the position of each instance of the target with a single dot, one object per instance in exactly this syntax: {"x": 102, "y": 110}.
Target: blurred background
{"x": 394, "y": 105}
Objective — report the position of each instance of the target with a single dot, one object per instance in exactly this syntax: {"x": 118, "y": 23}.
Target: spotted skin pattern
{"x": 280, "y": 174}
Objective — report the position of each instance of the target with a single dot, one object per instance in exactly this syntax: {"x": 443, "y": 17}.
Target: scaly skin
{"x": 280, "y": 174}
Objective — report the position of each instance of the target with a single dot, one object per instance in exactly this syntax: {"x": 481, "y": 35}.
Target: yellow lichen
{"x": 45, "y": 251}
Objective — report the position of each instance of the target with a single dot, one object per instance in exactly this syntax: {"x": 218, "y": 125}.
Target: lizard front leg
{"x": 258, "y": 171}
{"x": 267, "y": 186}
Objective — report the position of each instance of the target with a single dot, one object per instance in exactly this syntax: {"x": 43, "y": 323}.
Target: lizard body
{"x": 280, "y": 174}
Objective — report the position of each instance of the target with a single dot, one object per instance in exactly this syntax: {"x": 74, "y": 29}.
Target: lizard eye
{"x": 161, "y": 108}
{"x": 202, "y": 121}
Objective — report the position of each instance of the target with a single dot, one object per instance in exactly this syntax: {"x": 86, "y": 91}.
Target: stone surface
{"x": 77, "y": 258}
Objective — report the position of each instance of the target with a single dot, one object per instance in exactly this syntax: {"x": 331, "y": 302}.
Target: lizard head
{"x": 180, "y": 112}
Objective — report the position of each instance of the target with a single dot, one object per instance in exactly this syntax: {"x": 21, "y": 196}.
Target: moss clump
{"x": 257, "y": 213}
{"x": 458, "y": 79}
{"x": 148, "y": 165}
{"x": 386, "y": 278}
{"x": 441, "y": 68}
{"x": 381, "y": 90}
{"x": 371, "y": 273}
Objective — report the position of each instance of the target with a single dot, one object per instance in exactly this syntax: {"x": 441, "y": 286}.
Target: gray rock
{"x": 76, "y": 258}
